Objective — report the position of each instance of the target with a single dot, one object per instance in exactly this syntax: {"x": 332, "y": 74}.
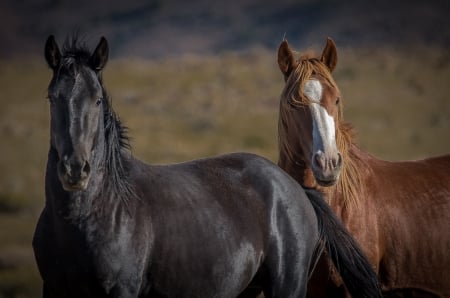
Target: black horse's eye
{"x": 99, "y": 101}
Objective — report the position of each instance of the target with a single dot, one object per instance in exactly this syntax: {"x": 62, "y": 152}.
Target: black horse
{"x": 113, "y": 226}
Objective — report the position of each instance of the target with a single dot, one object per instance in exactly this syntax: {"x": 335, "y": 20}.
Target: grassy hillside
{"x": 191, "y": 107}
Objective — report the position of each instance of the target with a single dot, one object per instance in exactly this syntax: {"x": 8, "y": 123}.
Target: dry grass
{"x": 398, "y": 102}
{"x": 194, "y": 107}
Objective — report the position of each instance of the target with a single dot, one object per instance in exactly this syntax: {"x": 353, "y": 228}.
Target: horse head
{"x": 76, "y": 96}
{"x": 309, "y": 114}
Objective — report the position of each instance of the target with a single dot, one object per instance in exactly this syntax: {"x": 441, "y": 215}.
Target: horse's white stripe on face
{"x": 323, "y": 129}
{"x": 323, "y": 124}
{"x": 313, "y": 90}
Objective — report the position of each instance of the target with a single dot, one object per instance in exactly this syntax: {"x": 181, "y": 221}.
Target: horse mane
{"x": 75, "y": 56}
{"x": 293, "y": 97}
{"x": 116, "y": 147}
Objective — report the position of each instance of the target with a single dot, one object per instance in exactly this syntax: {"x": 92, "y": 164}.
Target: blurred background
{"x": 200, "y": 78}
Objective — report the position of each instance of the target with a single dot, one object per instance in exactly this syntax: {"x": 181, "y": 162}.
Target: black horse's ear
{"x": 286, "y": 60}
{"x": 100, "y": 56}
{"x": 52, "y": 54}
{"x": 329, "y": 55}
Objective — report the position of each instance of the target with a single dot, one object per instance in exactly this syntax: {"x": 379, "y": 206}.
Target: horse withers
{"x": 399, "y": 212}
{"x": 113, "y": 226}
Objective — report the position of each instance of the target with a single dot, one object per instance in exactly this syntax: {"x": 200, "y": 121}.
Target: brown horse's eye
{"x": 338, "y": 99}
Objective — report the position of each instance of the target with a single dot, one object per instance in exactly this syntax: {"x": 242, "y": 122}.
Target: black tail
{"x": 353, "y": 266}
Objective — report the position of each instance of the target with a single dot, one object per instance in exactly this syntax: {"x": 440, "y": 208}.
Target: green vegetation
{"x": 192, "y": 107}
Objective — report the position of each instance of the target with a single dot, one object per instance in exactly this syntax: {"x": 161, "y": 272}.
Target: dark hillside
{"x": 160, "y": 27}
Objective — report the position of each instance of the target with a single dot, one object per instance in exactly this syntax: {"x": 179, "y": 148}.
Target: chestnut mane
{"x": 292, "y": 97}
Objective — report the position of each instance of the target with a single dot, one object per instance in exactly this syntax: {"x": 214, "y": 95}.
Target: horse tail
{"x": 352, "y": 264}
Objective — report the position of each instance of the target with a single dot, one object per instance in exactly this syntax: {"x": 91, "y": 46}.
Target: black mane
{"x": 117, "y": 146}
{"x": 117, "y": 151}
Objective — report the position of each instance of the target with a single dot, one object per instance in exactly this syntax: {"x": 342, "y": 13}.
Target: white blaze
{"x": 324, "y": 139}
{"x": 313, "y": 90}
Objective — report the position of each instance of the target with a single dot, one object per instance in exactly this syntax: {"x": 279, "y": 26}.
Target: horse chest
{"x": 98, "y": 261}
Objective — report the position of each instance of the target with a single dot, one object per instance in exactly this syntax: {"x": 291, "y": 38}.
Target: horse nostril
{"x": 337, "y": 161}
{"x": 86, "y": 168}
{"x": 319, "y": 160}
{"x": 67, "y": 168}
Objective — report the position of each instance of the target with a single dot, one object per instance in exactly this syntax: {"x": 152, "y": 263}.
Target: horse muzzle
{"x": 74, "y": 174}
{"x": 326, "y": 169}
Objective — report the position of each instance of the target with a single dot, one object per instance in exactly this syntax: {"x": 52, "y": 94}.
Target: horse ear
{"x": 100, "y": 56}
{"x": 52, "y": 54}
{"x": 286, "y": 59}
{"x": 329, "y": 55}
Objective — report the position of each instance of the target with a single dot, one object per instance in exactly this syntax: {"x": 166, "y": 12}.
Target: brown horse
{"x": 399, "y": 212}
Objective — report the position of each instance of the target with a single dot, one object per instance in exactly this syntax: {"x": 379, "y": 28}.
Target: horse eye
{"x": 338, "y": 99}
{"x": 99, "y": 101}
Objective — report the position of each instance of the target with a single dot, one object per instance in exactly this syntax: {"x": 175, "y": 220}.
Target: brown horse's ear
{"x": 52, "y": 54}
{"x": 329, "y": 55}
{"x": 100, "y": 56}
{"x": 286, "y": 60}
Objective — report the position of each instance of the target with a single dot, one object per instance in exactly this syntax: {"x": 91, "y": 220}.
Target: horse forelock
{"x": 293, "y": 96}
{"x": 74, "y": 60}
{"x": 307, "y": 68}
{"x": 75, "y": 47}
{"x": 75, "y": 54}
